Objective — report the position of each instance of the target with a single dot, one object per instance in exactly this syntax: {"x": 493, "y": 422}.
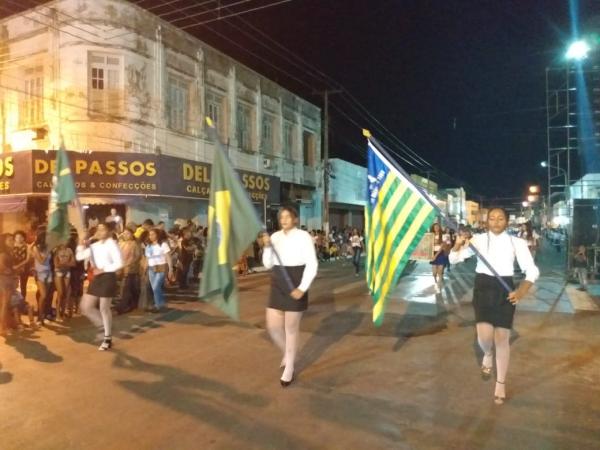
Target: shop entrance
{"x": 95, "y": 214}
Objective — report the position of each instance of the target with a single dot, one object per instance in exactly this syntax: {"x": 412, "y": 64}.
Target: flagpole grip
{"x": 286, "y": 275}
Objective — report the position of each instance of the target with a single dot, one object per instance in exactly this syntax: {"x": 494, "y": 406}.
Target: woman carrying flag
{"x": 105, "y": 258}
{"x": 292, "y": 255}
{"x": 494, "y": 306}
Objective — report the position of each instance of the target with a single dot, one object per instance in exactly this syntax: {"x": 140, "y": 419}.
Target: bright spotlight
{"x": 525, "y": 204}
{"x": 578, "y": 50}
{"x": 544, "y": 164}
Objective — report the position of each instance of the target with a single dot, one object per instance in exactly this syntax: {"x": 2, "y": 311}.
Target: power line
{"x": 258, "y": 8}
{"x": 320, "y": 75}
{"x": 180, "y": 10}
{"x": 203, "y": 13}
{"x": 327, "y": 78}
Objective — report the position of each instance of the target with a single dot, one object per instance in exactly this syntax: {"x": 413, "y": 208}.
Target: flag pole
{"x": 441, "y": 213}
{"x": 212, "y": 130}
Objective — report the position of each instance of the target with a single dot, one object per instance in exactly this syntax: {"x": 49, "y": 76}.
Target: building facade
{"x": 347, "y": 194}
{"x": 473, "y": 216}
{"x": 456, "y": 204}
{"x": 127, "y": 92}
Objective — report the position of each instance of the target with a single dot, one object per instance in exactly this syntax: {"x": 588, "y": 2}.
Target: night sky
{"x": 460, "y": 81}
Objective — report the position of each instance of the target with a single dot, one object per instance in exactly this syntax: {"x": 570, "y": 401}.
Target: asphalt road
{"x": 192, "y": 379}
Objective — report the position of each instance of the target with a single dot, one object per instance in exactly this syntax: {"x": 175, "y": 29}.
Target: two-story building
{"x": 127, "y": 93}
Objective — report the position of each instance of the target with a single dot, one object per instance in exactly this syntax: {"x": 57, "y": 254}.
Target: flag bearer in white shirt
{"x": 494, "y": 307}
{"x": 289, "y": 293}
{"x": 105, "y": 257}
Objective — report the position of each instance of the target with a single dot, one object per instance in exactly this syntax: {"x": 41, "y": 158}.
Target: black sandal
{"x": 499, "y": 400}
{"x": 106, "y": 344}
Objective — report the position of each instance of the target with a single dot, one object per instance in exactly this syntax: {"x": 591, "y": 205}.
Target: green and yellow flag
{"x": 63, "y": 193}
{"x": 397, "y": 215}
{"x": 232, "y": 226}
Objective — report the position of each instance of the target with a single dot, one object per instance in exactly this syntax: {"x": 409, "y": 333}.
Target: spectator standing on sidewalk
{"x": 131, "y": 252}
{"x": 160, "y": 265}
{"x": 356, "y": 242}
{"x": 147, "y": 225}
{"x": 21, "y": 259}
{"x": 115, "y": 220}
{"x": 7, "y": 284}
{"x": 64, "y": 261}
{"x": 187, "y": 248}
{"x": 580, "y": 266}
{"x": 43, "y": 274}
{"x": 527, "y": 233}
{"x": 77, "y": 277}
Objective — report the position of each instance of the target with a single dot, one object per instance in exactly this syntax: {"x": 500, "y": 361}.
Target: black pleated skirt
{"x": 104, "y": 285}
{"x": 490, "y": 301}
{"x": 280, "y": 292}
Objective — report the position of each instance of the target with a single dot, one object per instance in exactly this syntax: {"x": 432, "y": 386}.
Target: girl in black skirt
{"x": 287, "y": 303}
{"x": 105, "y": 257}
{"x": 494, "y": 307}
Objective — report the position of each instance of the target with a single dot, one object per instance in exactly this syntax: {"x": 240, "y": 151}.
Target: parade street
{"x": 191, "y": 379}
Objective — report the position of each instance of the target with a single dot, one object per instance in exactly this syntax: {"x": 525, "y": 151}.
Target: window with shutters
{"x": 177, "y": 104}
{"x": 215, "y": 109}
{"x": 308, "y": 148}
{"x": 288, "y": 140}
{"x": 267, "y": 133}
{"x": 244, "y": 127}
{"x": 31, "y": 111}
{"x": 105, "y": 84}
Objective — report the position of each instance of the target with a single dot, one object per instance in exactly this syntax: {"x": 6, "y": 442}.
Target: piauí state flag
{"x": 62, "y": 194}
{"x": 232, "y": 226}
{"x": 397, "y": 215}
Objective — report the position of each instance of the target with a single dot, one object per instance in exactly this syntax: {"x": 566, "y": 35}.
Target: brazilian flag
{"x": 62, "y": 195}
{"x": 232, "y": 226}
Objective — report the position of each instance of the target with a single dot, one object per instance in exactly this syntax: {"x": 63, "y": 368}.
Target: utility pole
{"x": 325, "y": 216}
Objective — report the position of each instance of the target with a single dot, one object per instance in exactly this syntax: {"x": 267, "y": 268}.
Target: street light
{"x": 578, "y": 50}
{"x": 563, "y": 172}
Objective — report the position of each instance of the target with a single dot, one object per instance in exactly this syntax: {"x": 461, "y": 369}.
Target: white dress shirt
{"x": 104, "y": 255}
{"x": 500, "y": 251}
{"x": 295, "y": 248}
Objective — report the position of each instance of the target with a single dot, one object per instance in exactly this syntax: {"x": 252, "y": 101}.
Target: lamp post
{"x": 565, "y": 185}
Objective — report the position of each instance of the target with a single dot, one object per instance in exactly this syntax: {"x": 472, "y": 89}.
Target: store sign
{"x": 184, "y": 178}
{"x": 101, "y": 173}
{"x": 15, "y": 173}
{"x": 110, "y": 173}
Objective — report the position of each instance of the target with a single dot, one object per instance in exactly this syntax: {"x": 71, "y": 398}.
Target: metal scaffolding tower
{"x": 561, "y": 131}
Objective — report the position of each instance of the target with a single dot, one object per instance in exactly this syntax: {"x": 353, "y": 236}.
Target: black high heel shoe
{"x": 497, "y": 399}
{"x": 106, "y": 344}
{"x": 286, "y": 383}
{"x": 486, "y": 371}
